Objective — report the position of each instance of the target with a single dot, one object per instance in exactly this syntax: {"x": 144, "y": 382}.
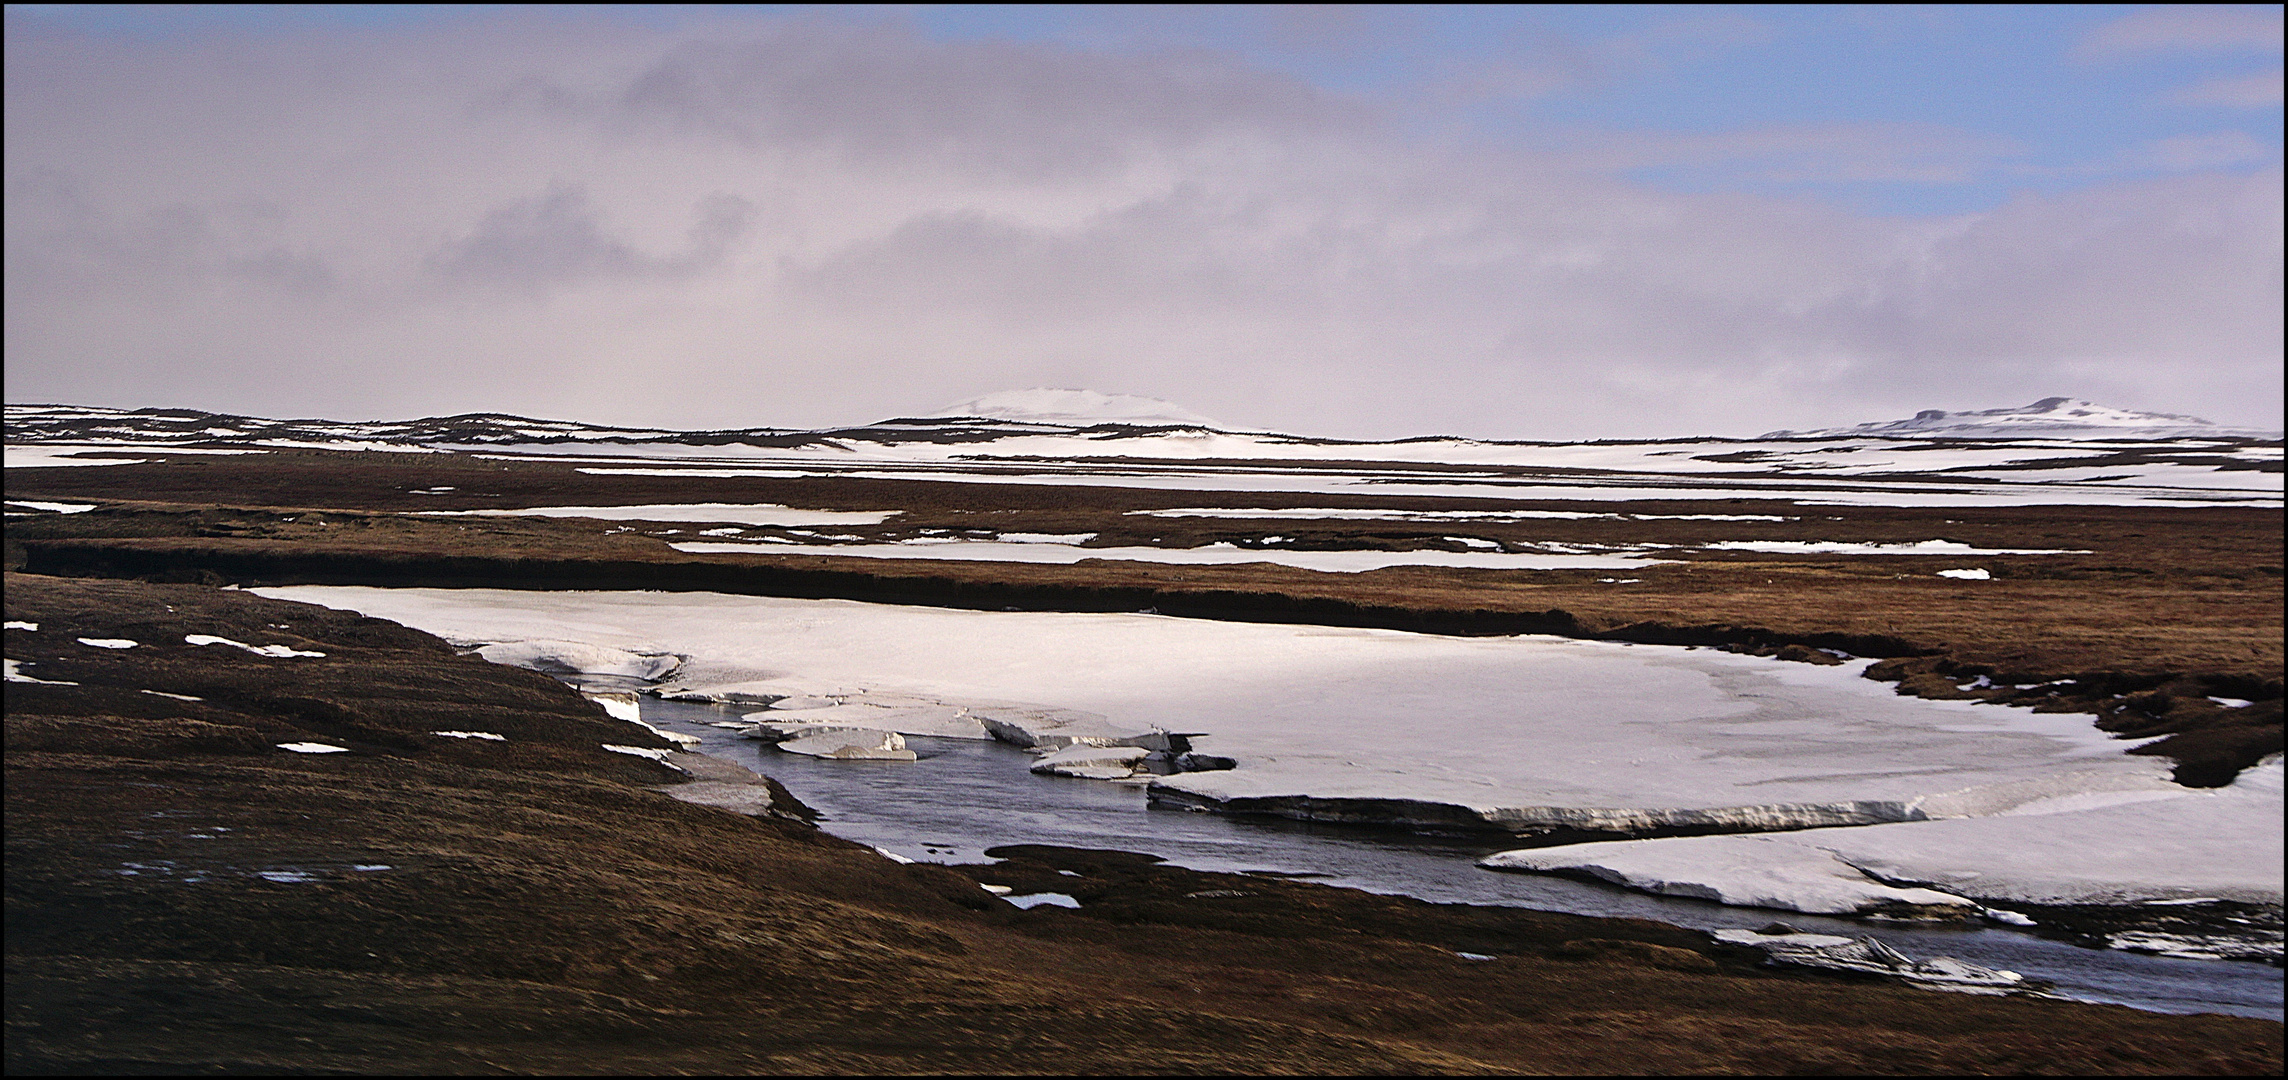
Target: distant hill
{"x": 2054, "y": 417}
{"x": 1044, "y": 405}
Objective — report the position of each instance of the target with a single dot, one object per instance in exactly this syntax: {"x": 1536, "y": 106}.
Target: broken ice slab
{"x": 906, "y": 716}
{"x": 849, "y": 743}
{"x": 1868, "y": 956}
{"x": 1085, "y": 762}
{"x": 557, "y": 657}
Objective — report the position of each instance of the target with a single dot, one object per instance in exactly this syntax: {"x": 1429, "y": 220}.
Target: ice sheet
{"x": 2181, "y": 845}
{"x": 1520, "y": 729}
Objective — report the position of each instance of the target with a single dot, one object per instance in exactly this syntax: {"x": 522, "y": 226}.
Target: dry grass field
{"x": 183, "y": 896}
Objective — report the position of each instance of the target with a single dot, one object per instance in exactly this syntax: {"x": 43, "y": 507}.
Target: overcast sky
{"x": 1499, "y": 222}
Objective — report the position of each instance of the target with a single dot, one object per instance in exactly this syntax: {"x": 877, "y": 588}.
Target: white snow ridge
{"x": 2056, "y": 417}
{"x": 1045, "y": 405}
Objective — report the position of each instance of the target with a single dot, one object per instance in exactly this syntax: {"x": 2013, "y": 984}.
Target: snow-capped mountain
{"x": 2055, "y": 417}
{"x": 1080, "y": 408}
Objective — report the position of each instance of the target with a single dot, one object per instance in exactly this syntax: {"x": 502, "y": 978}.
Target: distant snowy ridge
{"x": 1046, "y": 405}
{"x": 2065, "y": 418}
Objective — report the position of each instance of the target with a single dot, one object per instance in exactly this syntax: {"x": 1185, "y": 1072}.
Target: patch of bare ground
{"x": 2160, "y": 611}
{"x": 183, "y": 895}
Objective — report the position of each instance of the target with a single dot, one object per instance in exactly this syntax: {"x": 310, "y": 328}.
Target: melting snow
{"x": 107, "y": 642}
{"x": 177, "y": 697}
{"x": 643, "y": 752}
{"x": 743, "y": 513}
{"x": 15, "y": 674}
{"x": 1967, "y": 575}
{"x": 280, "y": 651}
{"x": 1335, "y": 562}
{"x": 471, "y": 735}
{"x": 313, "y": 748}
{"x": 55, "y": 507}
{"x": 1034, "y": 900}
{"x": 1831, "y": 547}
{"x": 17, "y": 624}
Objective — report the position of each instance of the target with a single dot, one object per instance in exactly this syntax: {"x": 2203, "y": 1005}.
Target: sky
{"x": 1499, "y": 222}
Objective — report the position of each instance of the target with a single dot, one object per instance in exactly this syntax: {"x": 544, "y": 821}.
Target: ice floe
{"x": 904, "y": 715}
{"x": 1868, "y": 956}
{"x": 846, "y": 743}
{"x": 556, "y": 656}
{"x": 1085, "y": 762}
{"x": 280, "y": 651}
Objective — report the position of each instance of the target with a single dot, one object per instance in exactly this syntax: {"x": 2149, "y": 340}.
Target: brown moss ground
{"x": 545, "y": 910}
{"x": 2171, "y": 605}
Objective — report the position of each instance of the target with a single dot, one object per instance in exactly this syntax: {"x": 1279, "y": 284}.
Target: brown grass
{"x": 545, "y": 911}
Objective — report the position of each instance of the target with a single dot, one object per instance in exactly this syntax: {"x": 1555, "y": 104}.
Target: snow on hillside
{"x": 1044, "y": 405}
{"x": 2067, "y": 418}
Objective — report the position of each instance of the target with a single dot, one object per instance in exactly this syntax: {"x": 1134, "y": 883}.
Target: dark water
{"x": 966, "y": 795}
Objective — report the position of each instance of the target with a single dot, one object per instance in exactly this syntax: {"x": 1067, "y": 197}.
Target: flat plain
{"x": 182, "y": 894}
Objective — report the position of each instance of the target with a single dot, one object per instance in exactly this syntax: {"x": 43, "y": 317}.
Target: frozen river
{"x": 1994, "y": 802}
{"x": 965, "y": 795}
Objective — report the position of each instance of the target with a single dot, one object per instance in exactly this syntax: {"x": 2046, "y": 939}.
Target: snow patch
{"x": 1833, "y": 547}
{"x": 313, "y": 748}
{"x": 107, "y": 642}
{"x": 279, "y": 651}
{"x": 16, "y": 674}
{"x": 1967, "y": 575}
{"x": 1046, "y": 405}
{"x": 644, "y": 752}
{"x": 742, "y": 513}
{"x": 487, "y": 735}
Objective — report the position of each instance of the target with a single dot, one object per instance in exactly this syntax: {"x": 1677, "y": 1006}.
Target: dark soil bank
{"x": 184, "y": 895}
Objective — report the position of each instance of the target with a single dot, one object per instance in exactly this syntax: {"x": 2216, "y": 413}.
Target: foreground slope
{"x": 183, "y": 893}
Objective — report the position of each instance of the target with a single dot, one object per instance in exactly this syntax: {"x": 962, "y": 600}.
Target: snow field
{"x": 2181, "y": 845}
{"x": 1518, "y": 731}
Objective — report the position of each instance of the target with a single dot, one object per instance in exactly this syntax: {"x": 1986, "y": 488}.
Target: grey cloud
{"x": 882, "y": 97}
{"x": 810, "y": 224}
{"x": 58, "y": 240}
{"x": 559, "y": 239}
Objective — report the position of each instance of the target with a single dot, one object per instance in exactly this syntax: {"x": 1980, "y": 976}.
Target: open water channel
{"x": 966, "y": 795}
